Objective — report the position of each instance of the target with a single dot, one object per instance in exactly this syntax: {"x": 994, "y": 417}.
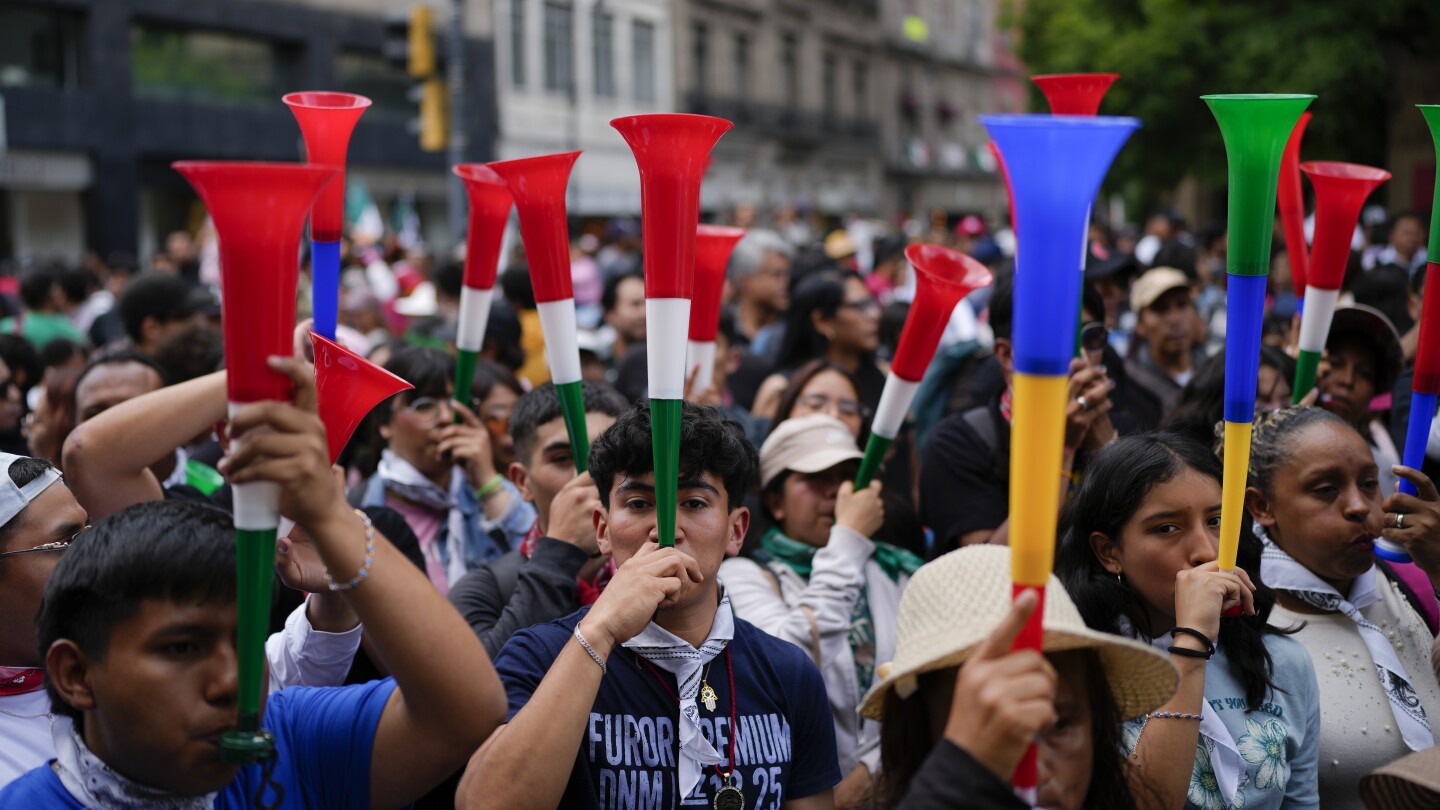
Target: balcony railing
{"x": 785, "y": 122}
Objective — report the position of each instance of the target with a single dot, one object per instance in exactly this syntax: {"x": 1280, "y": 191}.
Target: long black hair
{"x": 908, "y": 732}
{"x": 823, "y": 292}
{"x": 1115, "y": 485}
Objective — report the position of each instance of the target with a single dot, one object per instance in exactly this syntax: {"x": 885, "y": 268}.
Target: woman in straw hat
{"x": 958, "y": 707}
{"x": 1138, "y": 555}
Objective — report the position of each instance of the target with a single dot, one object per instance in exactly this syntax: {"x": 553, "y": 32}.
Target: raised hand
{"x": 1002, "y": 698}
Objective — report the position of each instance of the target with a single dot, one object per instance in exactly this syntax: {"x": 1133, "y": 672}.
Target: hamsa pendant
{"x": 708, "y": 697}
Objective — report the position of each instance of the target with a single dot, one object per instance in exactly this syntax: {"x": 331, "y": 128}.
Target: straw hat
{"x": 952, "y": 604}
{"x": 1409, "y": 783}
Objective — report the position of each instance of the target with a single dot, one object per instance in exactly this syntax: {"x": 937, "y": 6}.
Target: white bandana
{"x": 403, "y": 479}
{"x": 674, "y": 654}
{"x": 1281, "y": 572}
{"x": 98, "y": 787}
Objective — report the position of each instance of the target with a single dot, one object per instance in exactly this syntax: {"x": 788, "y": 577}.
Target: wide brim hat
{"x": 1409, "y": 783}
{"x": 955, "y": 602}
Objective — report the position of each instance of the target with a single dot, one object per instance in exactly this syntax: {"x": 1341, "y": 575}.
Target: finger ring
{"x": 1084, "y": 406}
{"x": 1399, "y": 520}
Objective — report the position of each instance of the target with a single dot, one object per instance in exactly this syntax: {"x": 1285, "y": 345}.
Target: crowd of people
{"x": 452, "y": 595}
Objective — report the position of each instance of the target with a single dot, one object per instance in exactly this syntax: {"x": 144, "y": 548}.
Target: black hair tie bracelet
{"x": 1186, "y": 652}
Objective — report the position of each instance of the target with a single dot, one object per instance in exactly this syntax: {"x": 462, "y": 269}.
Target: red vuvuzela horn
{"x": 1075, "y": 93}
{"x": 713, "y": 244}
{"x": 347, "y": 387}
{"x": 490, "y": 203}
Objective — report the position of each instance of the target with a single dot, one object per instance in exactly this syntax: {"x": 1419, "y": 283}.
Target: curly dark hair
{"x": 709, "y": 442}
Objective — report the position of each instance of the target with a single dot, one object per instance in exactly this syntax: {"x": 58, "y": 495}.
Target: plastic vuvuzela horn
{"x": 259, "y": 211}
{"x": 1075, "y": 93}
{"x": 1291, "y": 198}
{"x": 1255, "y": 129}
{"x": 347, "y": 386}
{"x": 942, "y": 278}
{"x": 672, "y": 152}
{"x": 1425, "y": 384}
{"x": 713, "y": 244}
{"x": 1056, "y": 166}
{"x": 326, "y": 121}
{"x": 1340, "y": 191}
{"x": 489, "y": 209}
{"x": 537, "y": 185}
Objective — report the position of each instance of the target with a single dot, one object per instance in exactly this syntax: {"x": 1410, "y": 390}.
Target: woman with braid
{"x": 1318, "y": 506}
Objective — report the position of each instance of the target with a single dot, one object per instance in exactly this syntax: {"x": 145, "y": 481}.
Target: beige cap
{"x": 954, "y": 603}
{"x": 839, "y": 245}
{"x": 1153, "y": 284}
{"x": 808, "y": 444}
{"x": 1409, "y": 783}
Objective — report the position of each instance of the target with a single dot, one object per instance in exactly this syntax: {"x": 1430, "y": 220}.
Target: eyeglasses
{"x": 819, "y": 402}
{"x": 426, "y": 406}
{"x": 58, "y": 545}
{"x": 862, "y": 307}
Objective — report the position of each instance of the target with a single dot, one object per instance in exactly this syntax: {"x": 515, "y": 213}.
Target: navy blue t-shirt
{"x": 785, "y": 745}
{"x": 324, "y": 737}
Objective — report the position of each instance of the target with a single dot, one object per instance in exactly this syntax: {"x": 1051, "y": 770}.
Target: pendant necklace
{"x": 729, "y": 796}
{"x": 707, "y": 694}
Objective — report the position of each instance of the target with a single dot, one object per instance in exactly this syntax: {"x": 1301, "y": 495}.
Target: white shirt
{"x": 299, "y": 656}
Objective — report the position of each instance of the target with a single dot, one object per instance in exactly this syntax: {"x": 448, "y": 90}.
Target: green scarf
{"x": 800, "y": 557}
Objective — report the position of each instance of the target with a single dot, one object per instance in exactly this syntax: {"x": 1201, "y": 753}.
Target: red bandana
{"x": 586, "y": 592}
{"x": 21, "y": 680}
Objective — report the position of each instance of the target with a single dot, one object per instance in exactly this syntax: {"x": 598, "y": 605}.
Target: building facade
{"x": 100, "y": 96}
{"x": 799, "y": 79}
{"x": 944, "y": 65}
{"x": 564, "y": 69}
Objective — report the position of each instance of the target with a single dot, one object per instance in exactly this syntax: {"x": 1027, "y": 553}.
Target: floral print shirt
{"x": 1279, "y": 743}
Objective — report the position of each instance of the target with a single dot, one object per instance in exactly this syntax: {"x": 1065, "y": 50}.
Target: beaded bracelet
{"x": 1174, "y": 715}
{"x": 364, "y": 571}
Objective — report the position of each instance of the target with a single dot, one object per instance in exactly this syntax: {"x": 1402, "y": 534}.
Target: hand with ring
{"x": 1087, "y": 413}
{"x": 1416, "y": 521}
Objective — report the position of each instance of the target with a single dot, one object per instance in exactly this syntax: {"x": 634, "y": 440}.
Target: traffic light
{"x": 434, "y": 115}
{"x": 421, "y": 63}
{"x": 410, "y": 45}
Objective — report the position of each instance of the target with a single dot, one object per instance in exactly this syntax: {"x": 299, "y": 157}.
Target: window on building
{"x": 829, "y": 91}
{"x": 860, "y": 89}
{"x": 517, "y": 42}
{"x": 603, "y": 46}
{"x": 39, "y": 47}
{"x": 559, "y": 46}
{"x": 742, "y": 67}
{"x": 183, "y": 64}
{"x": 790, "y": 69}
{"x": 700, "y": 57}
{"x": 642, "y": 54}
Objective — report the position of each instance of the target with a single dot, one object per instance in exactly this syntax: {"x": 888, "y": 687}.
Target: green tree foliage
{"x": 1170, "y": 52}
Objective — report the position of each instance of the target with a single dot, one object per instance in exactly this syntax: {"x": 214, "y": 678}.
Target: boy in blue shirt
{"x": 137, "y": 631}
{"x": 658, "y": 696}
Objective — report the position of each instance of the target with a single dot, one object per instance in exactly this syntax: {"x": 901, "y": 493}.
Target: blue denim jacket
{"x": 484, "y": 539}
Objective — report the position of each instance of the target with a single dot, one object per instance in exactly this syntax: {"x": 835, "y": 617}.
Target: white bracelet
{"x": 604, "y": 670}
